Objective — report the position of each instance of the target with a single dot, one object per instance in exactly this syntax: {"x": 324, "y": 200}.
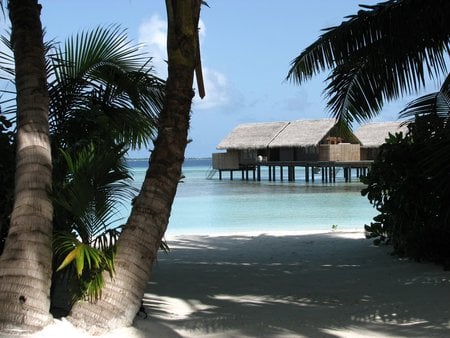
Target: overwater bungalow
{"x": 312, "y": 144}
{"x": 373, "y": 135}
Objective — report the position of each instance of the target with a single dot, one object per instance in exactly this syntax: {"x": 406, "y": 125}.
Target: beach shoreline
{"x": 321, "y": 284}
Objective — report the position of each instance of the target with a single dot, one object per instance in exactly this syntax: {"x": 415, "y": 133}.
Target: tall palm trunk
{"x": 140, "y": 240}
{"x": 25, "y": 265}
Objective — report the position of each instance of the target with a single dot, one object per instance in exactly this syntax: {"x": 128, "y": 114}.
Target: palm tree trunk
{"x": 25, "y": 265}
{"x": 140, "y": 240}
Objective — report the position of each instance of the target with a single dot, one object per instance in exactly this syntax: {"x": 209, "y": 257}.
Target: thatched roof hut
{"x": 300, "y": 133}
{"x": 301, "y": 140}
{"x": 373, "y": 135}
{"x": 303, "y": 133}
{"x": 252, "y": 135}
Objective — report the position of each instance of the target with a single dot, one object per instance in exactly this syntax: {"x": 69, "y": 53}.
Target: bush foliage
{"x": 409, "y": 184}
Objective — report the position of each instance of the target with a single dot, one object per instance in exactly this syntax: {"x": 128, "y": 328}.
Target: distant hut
{"x": 246, "y": 143}
{"x": 302, "y": 140}
{"x": 373, "y": 135}
{"x": 313, "y": 140}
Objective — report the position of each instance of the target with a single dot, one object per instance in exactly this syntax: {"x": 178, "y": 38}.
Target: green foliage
{"x": 89, "y": 263}
{"x": 410, "y": 186}
{"x": 97, "y": 181}
{"x": 384, "y": 51}
{"x": 104, "y": 99}
{"x": 102, "y": 88}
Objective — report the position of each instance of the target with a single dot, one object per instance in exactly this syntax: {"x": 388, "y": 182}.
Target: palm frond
{"x": 96, "y": 183}
{"x": 89, "y": 263}
{"x": 437, "y": 103}
{"x": 384, "y": 51}
{"x": 101, "y": 71}
{"x": 351, "y": 94}
{"x": 387, "y": 24}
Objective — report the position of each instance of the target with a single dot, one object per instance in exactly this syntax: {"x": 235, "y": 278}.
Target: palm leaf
{"x": 71, "y": 256}
{"x": 97, "y": 182}
{"x": 82, "y": 255}
{"x": 380, "y": 53}
{"x": 101, "y": 71}
{"x": 437, "y": 103}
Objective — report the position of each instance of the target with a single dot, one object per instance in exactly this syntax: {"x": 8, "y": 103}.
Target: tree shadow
{"x": 312, "y": 286}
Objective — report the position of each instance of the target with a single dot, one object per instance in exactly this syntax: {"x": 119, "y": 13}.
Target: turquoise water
{"x": 212, "y": 206}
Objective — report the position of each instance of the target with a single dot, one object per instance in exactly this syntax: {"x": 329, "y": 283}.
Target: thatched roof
{"x": 303, "y": 133}
{"x": 375, "y": 134}
{"x": 252, "y": 135}
{"x": 300, "y": 133}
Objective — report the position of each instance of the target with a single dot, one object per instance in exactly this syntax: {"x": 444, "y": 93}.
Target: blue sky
{"x": 246, "y": 46}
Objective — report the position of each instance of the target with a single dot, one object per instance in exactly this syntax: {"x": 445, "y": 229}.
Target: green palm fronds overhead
{"x": 382, "y": 52}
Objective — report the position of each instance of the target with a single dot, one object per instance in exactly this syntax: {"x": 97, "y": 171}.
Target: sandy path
{"x": 318, "y": 285}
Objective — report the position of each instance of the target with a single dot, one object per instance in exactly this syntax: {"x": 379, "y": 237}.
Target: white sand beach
{"x": 327, "y": 285}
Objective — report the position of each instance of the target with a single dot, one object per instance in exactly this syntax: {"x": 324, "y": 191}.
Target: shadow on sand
{"x": 328, "y": 285}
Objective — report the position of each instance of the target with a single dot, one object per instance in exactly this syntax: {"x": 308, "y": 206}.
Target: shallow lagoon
{"x": 213, "y": 206}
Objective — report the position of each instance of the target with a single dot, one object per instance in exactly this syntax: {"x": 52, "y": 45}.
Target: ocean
{"x": 206, "y": 206}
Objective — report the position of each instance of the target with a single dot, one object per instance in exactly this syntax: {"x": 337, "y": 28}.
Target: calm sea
{"x": 212, "y": 206}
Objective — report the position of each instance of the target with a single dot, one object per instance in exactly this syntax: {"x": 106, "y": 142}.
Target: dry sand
{"x": 310, "y": 285}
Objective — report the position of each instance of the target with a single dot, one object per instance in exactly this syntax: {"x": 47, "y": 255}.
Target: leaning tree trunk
{"x": 25, "y": 265}
{"x": 140, "y": 240}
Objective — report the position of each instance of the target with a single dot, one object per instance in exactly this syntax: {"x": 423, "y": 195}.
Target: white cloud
{"x": 153, "y": 35}
{"x": 217, "y": 90}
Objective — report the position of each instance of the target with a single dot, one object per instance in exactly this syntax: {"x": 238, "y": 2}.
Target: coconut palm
{"x": 26, "y": 262}
{"x": 104, "y": 99}
{"x": 381, "y": 53}
{"x": 143, "y": 232}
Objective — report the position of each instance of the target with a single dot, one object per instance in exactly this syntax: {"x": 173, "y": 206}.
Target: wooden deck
{"x": 286, "y": 170}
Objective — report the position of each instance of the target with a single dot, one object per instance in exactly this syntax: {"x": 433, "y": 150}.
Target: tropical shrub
{"x": 86, "y": 205}
{"x": 409, "y": 186}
